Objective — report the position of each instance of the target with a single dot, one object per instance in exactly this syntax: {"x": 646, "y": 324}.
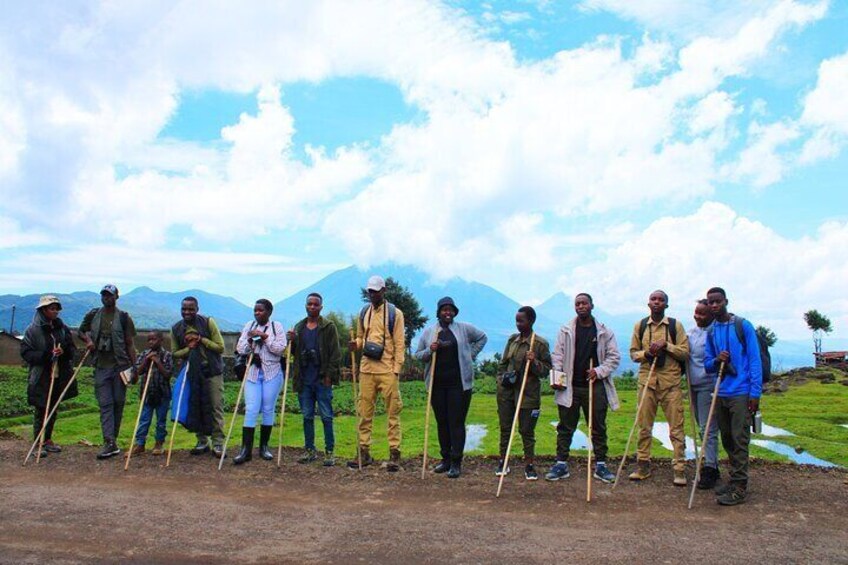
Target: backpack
{"x": 392, "y": 316}
{"x": 765, "y": 356}
{"x": 672, "y": 333}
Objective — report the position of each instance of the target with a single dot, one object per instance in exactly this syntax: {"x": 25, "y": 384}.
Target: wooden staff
{"x": 283, "y": 403}
{"x": 53, "y": 370}
{"x": 692, "y": 415}
{"x": 138, "y": 417}
{"x": 635, "y": 421}
{"x": 177, "y": 412}
{"x": 706, "y": 432}
{"x": 591, "y": 443}
{"x": 235, "y": 410}
{"x": 55, "y": 407}
{"x": 515, "y": 417}
{"x": 355, "y": 397}
{"x": 429, "y": 400}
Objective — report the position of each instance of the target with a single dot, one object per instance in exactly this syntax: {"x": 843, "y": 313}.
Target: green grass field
{"x": 812, "y": 411}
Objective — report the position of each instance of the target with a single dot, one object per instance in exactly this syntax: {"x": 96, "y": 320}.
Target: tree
{"x": 405, "y": 301}
{"x": 818, "y": 324}
{"x": 766, "y": 335}
{"x": 343, "y": 329}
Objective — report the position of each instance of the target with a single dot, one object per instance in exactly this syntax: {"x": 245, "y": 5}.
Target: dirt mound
{"x": 802, "y": 375}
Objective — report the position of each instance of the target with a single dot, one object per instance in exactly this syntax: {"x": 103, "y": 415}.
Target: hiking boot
{"x": 394, "y": 461}
{"x": 642, "y": 471}
{"x": 52, "y": 447}
{"x": 308, "y": 457}
{"x": 135, "y": 450}
{"x": 602, "y": 473}
{"x": 732, "y": 496}
{"x": 558, "y": 471}
{"x": 709, "y": 477}
{"x": 455, "y": 470}
{"x": 158, "y": 448}
{"x": 679, "y": 479}
{"x": 443, "y": 467}
{"x": 218, "y": 450}
{"x": 329, "y": 459}
{"x": 530, "y": 473}
{"x": 365, "y": 455}
{"x": 501, "y": 470}
{"x": 200, "y": 448}
{"x": 110, "y": 449}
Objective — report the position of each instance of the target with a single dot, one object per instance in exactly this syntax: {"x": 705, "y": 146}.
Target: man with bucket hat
{"x": 108, "y": 334}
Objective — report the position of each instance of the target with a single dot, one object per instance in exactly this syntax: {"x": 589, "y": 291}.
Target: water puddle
{"x": 802, "y": 458}
{"x": 474, "y": 434}
{"x": 579, "y": 439}
{"x": 660, "y": 433}
{"x": 771, "y": 431}
{"x": 844, "y": 425}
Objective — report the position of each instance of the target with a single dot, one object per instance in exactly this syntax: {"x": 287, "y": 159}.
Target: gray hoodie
{"x": 608, "y": 360}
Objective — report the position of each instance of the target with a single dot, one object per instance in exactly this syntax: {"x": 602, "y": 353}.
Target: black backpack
{"x": 765, "y": 356}
{"x": 672, "y": 333}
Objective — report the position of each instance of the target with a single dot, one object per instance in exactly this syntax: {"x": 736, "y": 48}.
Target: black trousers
{"x": 38, "y": 420}
{"x": 450, "y": 405}
{"x": 734, "y": 424}
{"x": 569, "y": 417}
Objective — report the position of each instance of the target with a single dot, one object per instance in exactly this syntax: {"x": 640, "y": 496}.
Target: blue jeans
{"x": 147, "y": 417}
{"x": 323, "y": 395}
{"x": 702, "y": 400}
{"x": 261, "y": 396}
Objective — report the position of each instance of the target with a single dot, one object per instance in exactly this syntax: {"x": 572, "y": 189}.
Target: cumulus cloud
{"x": 825, "y": 110}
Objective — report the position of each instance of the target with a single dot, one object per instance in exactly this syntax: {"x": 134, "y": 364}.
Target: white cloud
{"x": 826, "y": 112}
{"x": 13, "y": 236}
{"x": 762, "y": 163}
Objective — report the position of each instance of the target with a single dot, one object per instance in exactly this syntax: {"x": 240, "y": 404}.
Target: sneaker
{"x": 158, "y": 448}
{"x": 365, "y": 455}
{"x": 329, "y": 459}
{"x": 642, "y": 471}
{"x": 455, "y": 470}
{"x": 309, "y": 456}
{"x": 558, "y": 471}
{"x": 110, "y": 448}
{"x": 200, "y": 448}
{"x": 709, "y": 477}
{"x": 442, "y": 467}
{"x": 218, "y": 450}
{"x": 501, "y": 470}
{"x": 530, "y": 473}
{"x": 603, "y": 474}
{"x": 732, "y": 496}
{"x": 394, "y": 461}
{"x": 52, "y": 447}
{"x": 680, "y": 479}
{"x": 135, "y": 450}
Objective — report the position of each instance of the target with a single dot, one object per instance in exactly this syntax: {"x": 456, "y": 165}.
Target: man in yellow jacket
{"x": 380, "y": 337}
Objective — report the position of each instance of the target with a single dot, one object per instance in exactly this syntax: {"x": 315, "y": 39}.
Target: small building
{"x": 830, "y": 358}
{"x": 10, "y": 349}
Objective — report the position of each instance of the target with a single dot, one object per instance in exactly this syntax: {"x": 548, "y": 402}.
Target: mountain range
{"x": 480, "y": 304}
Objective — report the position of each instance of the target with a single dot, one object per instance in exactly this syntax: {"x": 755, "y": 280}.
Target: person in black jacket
{"x": 47, "y": 340}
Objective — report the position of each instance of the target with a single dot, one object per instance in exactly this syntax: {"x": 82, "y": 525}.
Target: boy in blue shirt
{"x": 739, "y": 391}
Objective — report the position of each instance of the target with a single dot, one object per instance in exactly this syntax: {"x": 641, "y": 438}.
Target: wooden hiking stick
{"x": 515, "y": 417}
{"x": 138, "y": 417}
{"x": 635, "y": 421}
{"x": 56, "y": 407}
{"x": 177, "y": 412}
{"x": 692, "y": 410}
{"x": 429, "y": 400}
{"x": 235, "y": 410}
{"x": 355, "y": 397}
{"x": 706, "y": 432}
{"x": 283, "y": 405}
{"x": 53, "y": 370}
{"x": 591, "y": 443}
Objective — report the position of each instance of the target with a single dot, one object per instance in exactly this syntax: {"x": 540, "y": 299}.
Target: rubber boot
{"x": 246, "y": 453}
{"x": 264, "y": 436}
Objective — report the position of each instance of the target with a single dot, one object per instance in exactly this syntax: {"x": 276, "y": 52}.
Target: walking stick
{"x": 429, "y": 400}
{"x": 138, "y": 417}
{"x": 706, "y": 432}
{"x": 591, "y": 442}
{"x": 515, "y": 417}
{"x": 635, "y": 421}
{"x": 283, "y": 407}
{"x": 53, "y": 370}
{"x": 56, "y": 407}
{"x": 355, "y": 398}
{"x": 177, "y": 412}
{"x": 693, "y": 416}
{"x": 235, "y": 410}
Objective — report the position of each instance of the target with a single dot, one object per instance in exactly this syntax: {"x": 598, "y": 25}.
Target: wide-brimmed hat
{"x": 376, "y": 283}
{"x": 111, "y": 289}
{"x": 447, "y": 301}
{"x": 47, "y": 300}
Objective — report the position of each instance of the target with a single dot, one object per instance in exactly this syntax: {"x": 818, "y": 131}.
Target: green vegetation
{"x": 817, "y": 430}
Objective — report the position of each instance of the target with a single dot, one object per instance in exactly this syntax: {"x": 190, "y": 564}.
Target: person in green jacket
{"x": 315, "y": 369}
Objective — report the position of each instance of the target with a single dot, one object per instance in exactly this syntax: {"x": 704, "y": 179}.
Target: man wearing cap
{"x": 108, "y": 334}
{"x": 380, "y": 337}
{"x": 201, "y": 332}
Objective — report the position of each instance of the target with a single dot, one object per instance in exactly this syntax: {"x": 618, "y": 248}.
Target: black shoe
{"x": 51, "y": 447}
{"x": 733, "y": 496}
{"x": 442, "y": 467}
{"x": 246, "y": 452}
{"x": 530, "y": 473}
{"x": 218, "y": 451}
{"x": 455, "y": 470}
{"x": 393, "y": 466}
{"x": 709, "y": 477}
{"x": 200, "y": 448}
{"x": 264, "y": 436}
{"x": 110, "y": 449}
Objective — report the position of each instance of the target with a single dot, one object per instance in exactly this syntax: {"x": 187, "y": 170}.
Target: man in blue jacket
{"x": 735, "y": 345}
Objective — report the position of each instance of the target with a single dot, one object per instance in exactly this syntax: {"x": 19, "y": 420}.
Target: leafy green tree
{"x": 405, "y": 301}
{"x": 819, "y": 324}
{"x": 766, "y": 335}
{"x": 343, "y": 329}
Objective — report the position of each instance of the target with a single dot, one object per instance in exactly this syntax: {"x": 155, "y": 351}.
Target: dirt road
{"x": 72, "y": 508}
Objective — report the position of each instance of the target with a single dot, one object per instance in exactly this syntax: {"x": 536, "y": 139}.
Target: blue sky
{"x": 537, "y": 146}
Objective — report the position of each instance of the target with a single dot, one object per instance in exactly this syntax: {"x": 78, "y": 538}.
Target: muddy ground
{"x": 73, "y": 509}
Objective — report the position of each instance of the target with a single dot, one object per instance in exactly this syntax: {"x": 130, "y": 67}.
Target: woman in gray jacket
{"x": 457, "y": 345}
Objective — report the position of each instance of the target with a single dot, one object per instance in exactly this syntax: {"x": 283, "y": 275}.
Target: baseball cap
{"x": 111, "y": 289}
{"x": 376, "y": 282}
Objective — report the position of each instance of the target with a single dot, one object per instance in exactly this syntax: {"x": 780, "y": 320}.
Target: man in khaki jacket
{"x": 380, "y": 337}
{"x": 661, "y": 341}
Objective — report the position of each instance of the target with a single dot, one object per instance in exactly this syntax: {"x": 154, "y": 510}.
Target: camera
{"x": 309, "y": 357}
{"x": 256, "y": 339}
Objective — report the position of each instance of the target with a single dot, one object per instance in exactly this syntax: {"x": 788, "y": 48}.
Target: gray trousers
{"x": 214, "y": 387}
{"x": 111, "y": 395}
{"x": 702, "y": 399}
{"x": 734, "y": 422}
